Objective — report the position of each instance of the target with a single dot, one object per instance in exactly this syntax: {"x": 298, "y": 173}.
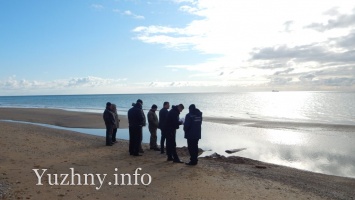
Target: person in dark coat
{"x": 192, "y": 128}
{"x": 163, "y": 113}
{"x": 110, "y": 122}
{"x": 136, "y": 121}
{"x": 172, "y": 123}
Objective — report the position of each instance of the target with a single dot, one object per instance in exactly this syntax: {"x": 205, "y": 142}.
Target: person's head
{"x": 108, "y": 105}
{"x": 181, "y": 107}
{"x": 192, "y": 107}
{"x": 113, "y": 107}
{"x": 166, "y": 105}
{"x": 154, "y": 107}
{"x": 140, "y": 101}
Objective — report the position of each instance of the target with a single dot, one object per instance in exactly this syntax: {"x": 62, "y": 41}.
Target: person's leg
{"x": 189, "y": 147}
{"x": 162, "y": 140}
{"x": 108, "y": 136}
{"x": 175, "y": 156}
{"x": 151, "y": 143}
{"x": 141, "y": 139}
{"x": 131, "y": 142}
{"x": 169, "y": 144}
{"x": 136, "y": 140}
{"x": 153, "y": 139}
{"x": 194, "y": 151}
{"x": 114, "y": 135}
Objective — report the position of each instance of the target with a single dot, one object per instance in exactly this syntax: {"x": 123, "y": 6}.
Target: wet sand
{"x": 25, "y": 147}
{"x": 58, "y": 117}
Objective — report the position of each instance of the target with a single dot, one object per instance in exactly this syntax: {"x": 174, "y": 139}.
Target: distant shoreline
{"x": 80, "y": 119}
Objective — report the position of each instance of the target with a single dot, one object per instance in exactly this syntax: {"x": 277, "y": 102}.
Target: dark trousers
{"x": 171, "y": 145}
{"x": 114, "y": 135}
{"x": 192, "y": 145}
{"x": 162, "y": 140}
{"x": 135, "y": 138}
{"x": 109, "y": 131}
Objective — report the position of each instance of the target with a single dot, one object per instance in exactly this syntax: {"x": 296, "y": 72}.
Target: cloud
{"x": 307, "y": 77}
{"x": 340, "y": 21}
{"x": 97, "y": 6}
{"x": 280, "y": 81}
{"x": 182, "y": 84}
{"x": 288, "y": 25}
{"x": 90, "y": 82}
{"x": 97, "y": 85}
{"x": 188, "y": 9}
{"x": 129, "y": 13}
{"x": 175, "y": 38}
{"x": 315, "y": 66}
{"x": 339, "y": 53}
{"x": 264, "y": 43}
{"x": 286, "y": 71}
{"x": 346, "y": 42}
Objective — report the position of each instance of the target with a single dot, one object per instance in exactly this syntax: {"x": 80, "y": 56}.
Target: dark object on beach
{"x": 260, "y": 166}
{"x": 215, "y": 155}
{"x": 235, "y": 150}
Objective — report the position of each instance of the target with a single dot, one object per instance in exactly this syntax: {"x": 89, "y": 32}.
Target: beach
{"x": 27, "y": 149}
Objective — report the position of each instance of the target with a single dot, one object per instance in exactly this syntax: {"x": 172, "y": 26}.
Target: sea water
{"x": 318, "y": 148}
{"x": 326, "y": 107}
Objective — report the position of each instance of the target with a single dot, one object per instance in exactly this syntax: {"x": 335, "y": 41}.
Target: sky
{"x": 168, "y": 46}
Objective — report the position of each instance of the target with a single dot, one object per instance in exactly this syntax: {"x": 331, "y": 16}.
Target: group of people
{"x": 168, "y": 122}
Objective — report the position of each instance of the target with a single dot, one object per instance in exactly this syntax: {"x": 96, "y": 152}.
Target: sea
{"x": 320, "y": 138}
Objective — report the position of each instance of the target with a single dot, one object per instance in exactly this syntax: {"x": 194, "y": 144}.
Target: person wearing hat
{"x": 153, "y": 126}
{"x": 136, "y": 121}
{"x": 192, "y": 129}
{"x": 110, "y": 122}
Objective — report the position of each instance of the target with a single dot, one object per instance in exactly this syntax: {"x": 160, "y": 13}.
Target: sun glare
{"x": 285, "y": 137}
{"x": 283, "y": 105}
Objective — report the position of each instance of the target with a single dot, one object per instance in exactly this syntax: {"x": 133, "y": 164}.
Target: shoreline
{"x": 35, "y": 147}
{"x": 94, "y": 120}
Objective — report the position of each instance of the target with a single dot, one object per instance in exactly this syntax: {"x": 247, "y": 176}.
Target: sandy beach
{"x": 51, "y": 153}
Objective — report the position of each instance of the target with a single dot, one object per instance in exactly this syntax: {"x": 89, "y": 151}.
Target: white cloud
{"x": 188, "y": 9}
{"x": 97, "y": 6}
{"x": 83, "y": 84}
{"x": 238, "y": 31}
{"x": 97, "y": 85}
{"x": 129, "y": 13}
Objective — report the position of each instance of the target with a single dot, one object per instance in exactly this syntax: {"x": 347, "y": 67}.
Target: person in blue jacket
{"x": 192, "y": 129}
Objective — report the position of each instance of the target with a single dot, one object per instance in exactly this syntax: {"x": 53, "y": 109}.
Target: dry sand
{"x": 25, "y": 147}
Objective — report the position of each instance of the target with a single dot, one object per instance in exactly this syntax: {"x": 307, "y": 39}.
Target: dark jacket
{"x": 109, "y": 118}
{"x": 152, "y": 119}
{"x": 136, "y": 116}
{"x": 172, "y": 120}
{"x": 192, "y": 125}
{"x": 163, "y": 114}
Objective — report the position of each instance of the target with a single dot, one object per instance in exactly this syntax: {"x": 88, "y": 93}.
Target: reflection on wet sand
{"x": 318, "y": 149}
